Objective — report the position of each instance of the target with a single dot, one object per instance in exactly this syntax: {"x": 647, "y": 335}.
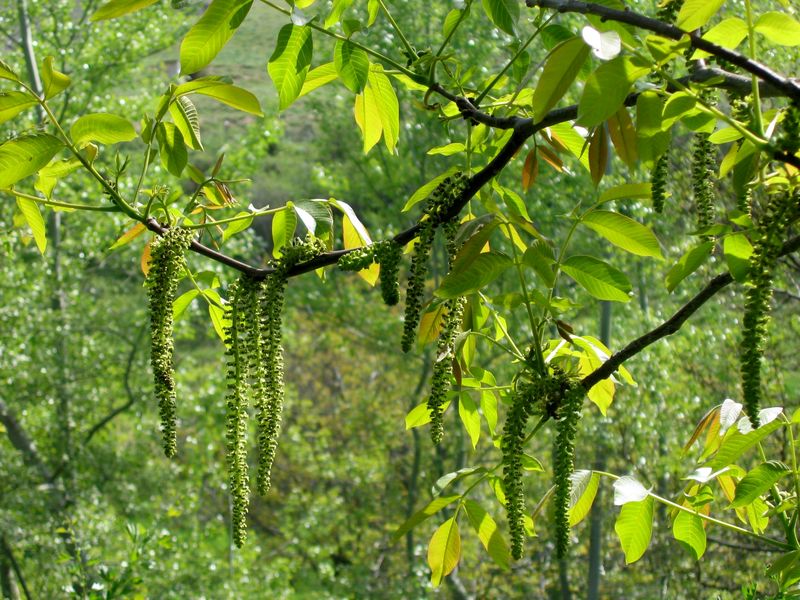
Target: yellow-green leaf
{"x": 488, "y": 533}
{"x": 600, "y": 279}
{"x": 13, "y": 103}
{"x": 229, "y": 94}
{"x": 444, "y": 550}
{"x": 634, "y": 527}
{"x": 560, "y": 70}
{"x": 117, "y": 8}
{"x": 779, "y": 28}
{"x": 290, "y": 62}
{"x": 433, "y": 507}
{"x": 25, "y": 155}
{"x": 53, "y": 81}
{"x": 584, "y": 489}
{"x": 33, "y": 217}
{"x": 696, "y": 13}
{"x": 103, "y": 128}
{"x": 688, "y": 529}
{"x": 210, "y": 34}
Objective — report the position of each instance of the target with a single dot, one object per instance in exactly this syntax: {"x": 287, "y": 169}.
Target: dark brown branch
{"x": 129, "y": 392}
{"x": 20, "y": 440}
{"x": 671, "y": 325}
{"x": 787, "y": 86}
{"x": 15, "y": 566}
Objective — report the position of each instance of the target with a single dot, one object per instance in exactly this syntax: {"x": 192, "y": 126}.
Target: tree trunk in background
{"x": 597, "y": 513}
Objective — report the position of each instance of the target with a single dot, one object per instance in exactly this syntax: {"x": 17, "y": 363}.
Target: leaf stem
{"x": 59, "y": 204}
{"x": 709, "y": 519}
{"x": 382, "y": 57}
{"x": 409, "y": 48}
{"x": 507, "y": 66}
{"x": 535, "y": 328}
{"x": 751, "y": 39}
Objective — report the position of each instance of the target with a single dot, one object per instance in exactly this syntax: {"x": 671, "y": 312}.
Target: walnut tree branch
{"x": 789, "y": 87}
{"x": 671, "y": 325}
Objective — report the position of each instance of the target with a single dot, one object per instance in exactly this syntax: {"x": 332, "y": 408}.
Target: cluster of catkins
{"x": 778, "y": 213}
{"x": 553, "y": 396}
{"x": 167, "y": 263}
{"x": 255, "y": 370}
{"x": 437, "y": 211}
{"x": 387, "y": 254}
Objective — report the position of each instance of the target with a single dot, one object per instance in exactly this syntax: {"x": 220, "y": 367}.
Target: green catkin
{"x": 357, "y": 259}
{"x": 167, "y": 263}
{"x": 437, "y": 210}
{"x": 445, "y": 351}
{"x": 702, "y": 180}
{"x": 388, "y": 255}
{"x": 659, "y": 182}
{"x": 525, "y": 397}
{"x": 564, "y": 460}
{"x": 237, "y": 342}
{"x": 416, "y": 284}
{"x": 270, "y": 406}
{"x": 777, "y": 215}
{"x": 789, "y": 140}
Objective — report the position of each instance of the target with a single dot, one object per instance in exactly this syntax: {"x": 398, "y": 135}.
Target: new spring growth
{"x": 167, "y": 264}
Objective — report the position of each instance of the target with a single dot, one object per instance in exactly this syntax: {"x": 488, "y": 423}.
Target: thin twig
{"x": 790, "y": 88}
{"x": 671, "y": 325}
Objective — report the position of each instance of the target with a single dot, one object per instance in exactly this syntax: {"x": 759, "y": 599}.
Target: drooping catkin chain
{"x": 436, "y": 213}
{"x": 779, "y": 211}
{"x": 167, "y": 263}
{"x": 552, "y": 396}
{"x": 445, "y": 344}
{"x": 270, "y": 405}
{"x": 569, "y": 413}
{"x": 237, "y": 340}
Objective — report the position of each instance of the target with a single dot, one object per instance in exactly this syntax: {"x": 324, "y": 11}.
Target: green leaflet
{"x": 33, "y": 217}
{"x": 174, "y": 154}
{"x": 688, "y": 264}
{"x": 634, "y": 527}
{"x": 25, "y": 155}
{"x": 13, "y": 103}
{"x": 53, "y": 82}
{"x": 229, "y": 94}
{"x": 758, "y": 481}
{"x": 290, "y": 62}
{"x": 284, "y": 224}
{"x": 623, "y": 232}
{"x": 606, "y": 89}
{"x": 488, "y": 532}
{"x": 117, "y": 8}
{"x": 560, "y": 70}
{"x": 503, "y": 13}
{"x": 352, "y": 65}
{"x": 210, "y": 34}
{"x": 472, "y": 276}
{"x": 688, "y": 529}
{"x": 600, "y": 279}
{"x": 444, "y": 550}
{"x": 103, "y": 128}
{"x": 696, "y": 13}
{"x": 418, "y": 517}
{"x": 584, "y": 489}
{"x": 377, "y": 111}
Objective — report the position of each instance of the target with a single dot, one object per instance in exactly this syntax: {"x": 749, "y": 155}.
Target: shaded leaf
{"x": 472, "y": 276}
{"x": 600, "y": 279}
